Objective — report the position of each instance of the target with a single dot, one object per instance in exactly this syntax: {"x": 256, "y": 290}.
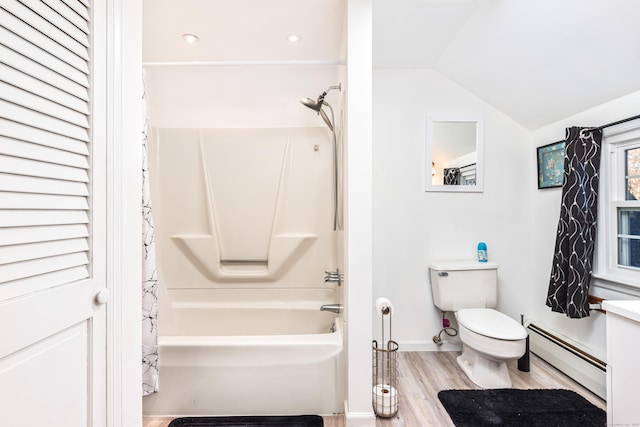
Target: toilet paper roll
{"x": 385, "y": 399}
{"x": 384, "y": 308}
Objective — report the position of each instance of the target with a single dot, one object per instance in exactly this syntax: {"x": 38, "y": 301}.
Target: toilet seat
{"x": 491, "y": 323}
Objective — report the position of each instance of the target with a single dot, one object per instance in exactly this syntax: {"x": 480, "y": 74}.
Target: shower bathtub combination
{"x": 244, "y": 237}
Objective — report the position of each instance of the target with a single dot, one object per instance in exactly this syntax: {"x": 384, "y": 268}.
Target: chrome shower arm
{"x": 330, "y": 88}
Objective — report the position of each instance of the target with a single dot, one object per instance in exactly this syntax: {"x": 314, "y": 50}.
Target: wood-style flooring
{"x": 421, "y": 375}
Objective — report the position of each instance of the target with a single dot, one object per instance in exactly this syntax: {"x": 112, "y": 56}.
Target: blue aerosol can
{"x": 482, "y": 252}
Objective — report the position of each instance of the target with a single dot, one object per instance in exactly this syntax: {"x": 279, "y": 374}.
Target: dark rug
{"x": 521, "y": 408}
{"x": 250, "y": 421}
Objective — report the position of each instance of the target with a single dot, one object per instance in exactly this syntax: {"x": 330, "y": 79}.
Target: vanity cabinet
{"x": 623, "y": 375}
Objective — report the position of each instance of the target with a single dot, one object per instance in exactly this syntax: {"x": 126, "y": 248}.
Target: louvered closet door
{"x": 52, "y": 328}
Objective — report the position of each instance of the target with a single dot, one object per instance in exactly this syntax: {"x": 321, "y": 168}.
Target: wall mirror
{"x": 454, "y": 153}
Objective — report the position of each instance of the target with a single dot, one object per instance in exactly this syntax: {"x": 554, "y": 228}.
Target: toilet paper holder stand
{"x": 385, "y": 370}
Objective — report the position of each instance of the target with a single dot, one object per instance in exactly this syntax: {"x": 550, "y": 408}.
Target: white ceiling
{"x": 242, "y": 30}
{"x": 537, "y": 61}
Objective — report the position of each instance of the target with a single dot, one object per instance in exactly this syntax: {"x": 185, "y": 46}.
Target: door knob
{"x": 102, "y": 297}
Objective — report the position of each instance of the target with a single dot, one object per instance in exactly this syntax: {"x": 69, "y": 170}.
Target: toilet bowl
{"x": 489, "y": 340}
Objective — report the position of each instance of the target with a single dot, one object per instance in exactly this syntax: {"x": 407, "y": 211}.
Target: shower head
{"x": 312, "y": 103}
{"x": 316, "y": 105}
{"x": 325, "y": 117}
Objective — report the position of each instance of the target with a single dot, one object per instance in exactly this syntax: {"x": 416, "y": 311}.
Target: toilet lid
{"x": 491, "y": 323}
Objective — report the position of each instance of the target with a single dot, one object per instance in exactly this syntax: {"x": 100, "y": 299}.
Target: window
{"x": 629, "y": 217}
{"x": 629, "y": 237}
{"x": 619, "y": 231}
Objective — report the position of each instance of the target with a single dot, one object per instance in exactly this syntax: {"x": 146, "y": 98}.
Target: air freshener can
{"x": 482, "y": 252}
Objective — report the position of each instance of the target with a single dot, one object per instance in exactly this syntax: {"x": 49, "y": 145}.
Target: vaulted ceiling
{"x": 536, "y": 61}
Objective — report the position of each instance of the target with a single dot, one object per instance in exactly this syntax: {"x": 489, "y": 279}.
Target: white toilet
{"x": 489, "y": 338}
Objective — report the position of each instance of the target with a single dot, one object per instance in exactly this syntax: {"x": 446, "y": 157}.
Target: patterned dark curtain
{"x": 452, "y": 176}
{"x": 575, "y": 241}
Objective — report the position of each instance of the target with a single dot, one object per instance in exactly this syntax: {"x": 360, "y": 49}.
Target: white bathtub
{"x": 262, "y": 359}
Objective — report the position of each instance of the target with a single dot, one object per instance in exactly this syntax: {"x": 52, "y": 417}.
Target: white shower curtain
{"x": 149, "y": 277}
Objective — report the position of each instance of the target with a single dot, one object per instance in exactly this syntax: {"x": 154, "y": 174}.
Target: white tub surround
{"x": 243, "y": 205}
{"x": 246, "y": 312}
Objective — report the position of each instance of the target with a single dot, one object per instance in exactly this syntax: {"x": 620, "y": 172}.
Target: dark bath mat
{"x": 521, "y": 408}
{"x": 249, "y": 421}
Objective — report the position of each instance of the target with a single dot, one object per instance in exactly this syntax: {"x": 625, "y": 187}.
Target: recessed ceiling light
{"x": 294, "y": 38}
{"x": 190, "y": 38}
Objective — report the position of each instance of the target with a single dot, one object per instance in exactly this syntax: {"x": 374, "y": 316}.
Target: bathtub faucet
{"x": 334, "y": 277}
{"x": 334, "y": 308}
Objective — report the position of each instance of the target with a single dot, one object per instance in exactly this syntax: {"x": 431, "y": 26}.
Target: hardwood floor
{"x": 421, "y": 375}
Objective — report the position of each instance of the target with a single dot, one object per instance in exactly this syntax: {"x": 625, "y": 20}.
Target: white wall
{"x": 412, "y": 227}
{"x": 588, "y": 333}
{"x": 358, "y": 219}
{"x": 254, "y": 96}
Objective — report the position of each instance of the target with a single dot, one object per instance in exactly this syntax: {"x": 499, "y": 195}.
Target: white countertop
{"x": 626, "y": 308}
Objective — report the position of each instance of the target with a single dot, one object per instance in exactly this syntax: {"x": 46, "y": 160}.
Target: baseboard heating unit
{"x": 585, "y": 369}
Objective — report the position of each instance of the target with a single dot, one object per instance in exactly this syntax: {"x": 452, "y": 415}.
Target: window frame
{"x": 616, "y": 140}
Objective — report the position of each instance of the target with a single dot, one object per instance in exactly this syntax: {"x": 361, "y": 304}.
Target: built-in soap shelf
{"x": 244, "y": 266}
{"x": 202, "y": 250}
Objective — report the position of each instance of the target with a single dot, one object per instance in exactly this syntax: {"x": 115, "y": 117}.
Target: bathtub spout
{"x": 334, "y": 308}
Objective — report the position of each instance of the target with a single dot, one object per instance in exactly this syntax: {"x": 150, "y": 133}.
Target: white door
{"x": 52, "y": 215}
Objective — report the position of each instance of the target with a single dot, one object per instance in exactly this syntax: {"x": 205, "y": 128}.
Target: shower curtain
{"x": 149, "y": 277}
{"x": 575, "y": 240}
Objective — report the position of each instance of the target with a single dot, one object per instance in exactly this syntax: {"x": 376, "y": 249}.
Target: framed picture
{"x": 551, "y": 165}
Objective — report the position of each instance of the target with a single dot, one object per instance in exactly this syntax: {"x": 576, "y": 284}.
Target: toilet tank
{"x": 464, "y": 284}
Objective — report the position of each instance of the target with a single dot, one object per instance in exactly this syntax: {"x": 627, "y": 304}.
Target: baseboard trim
{"x": 577, "y": 364}
{"x": 428, "y": 346}
{"x": 358, "y": 419}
